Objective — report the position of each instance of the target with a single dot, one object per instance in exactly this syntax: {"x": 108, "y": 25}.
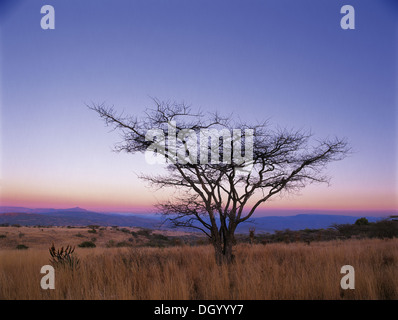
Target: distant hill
{"x": 82, "y": 217}
{"x": 5, "y": 209}
{"x": 299, "y": 222}
{"x": 72, "y": 217}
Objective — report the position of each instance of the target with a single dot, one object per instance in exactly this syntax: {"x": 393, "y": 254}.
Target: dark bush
{"x": 144, "y": 232}
{"x": 158, "y": 236}
{"x": 111, "y": 243}
{"x": 87, "y": 244}
{"x": 362, "y": 222}
{"x": 123, "y": 244}
{"x": 384, "y": 229}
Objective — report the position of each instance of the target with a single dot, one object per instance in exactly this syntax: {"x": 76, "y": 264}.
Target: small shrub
{"x": 158, "y": 236}
{"x": 110, "y": 244}
{"x": 64, "y": 257}
{"x": 384, "y": 229}
{"x": 123, "y": 244}
{"x": 87, "y": 244}
{"x": 144, "y": 232}
{"x": 2, "y": 236}
{"x": 362, "y": 222}
{"x": 21, "y": 247}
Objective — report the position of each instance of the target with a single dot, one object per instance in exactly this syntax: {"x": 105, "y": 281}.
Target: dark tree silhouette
{"x": 216, "y": 196}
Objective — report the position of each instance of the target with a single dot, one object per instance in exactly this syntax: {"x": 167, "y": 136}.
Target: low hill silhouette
{"x": 82, "y": 217}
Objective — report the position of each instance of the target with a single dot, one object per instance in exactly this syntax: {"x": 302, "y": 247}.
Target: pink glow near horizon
{"x": 124, "y": 194}
{"x": 131, "y": 206}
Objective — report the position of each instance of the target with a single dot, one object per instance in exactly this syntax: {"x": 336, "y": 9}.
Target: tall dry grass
{"x": 274, "y": 271}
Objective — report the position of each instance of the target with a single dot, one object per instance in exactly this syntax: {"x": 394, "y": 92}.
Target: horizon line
{"x": 261, "y": 211}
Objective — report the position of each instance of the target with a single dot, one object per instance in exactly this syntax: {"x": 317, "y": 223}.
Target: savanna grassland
{"x": 136, "y": 271}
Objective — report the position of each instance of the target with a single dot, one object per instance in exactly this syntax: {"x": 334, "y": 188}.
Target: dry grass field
{"x": 272, "y": 271}
{"x": 42, "y": 238}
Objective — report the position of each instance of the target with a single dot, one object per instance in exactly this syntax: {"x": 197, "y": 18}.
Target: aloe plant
{"x": 64, "y": 257}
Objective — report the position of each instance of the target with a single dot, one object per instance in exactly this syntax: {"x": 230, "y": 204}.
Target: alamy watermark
{"x": 203, "y": 146}
{"x": 48, "y": 280}
{"x": 348, "y": 281}
{"x": 47, "y": 21}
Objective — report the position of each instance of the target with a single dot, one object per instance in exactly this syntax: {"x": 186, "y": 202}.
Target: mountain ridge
{"x": 81, "y": 217}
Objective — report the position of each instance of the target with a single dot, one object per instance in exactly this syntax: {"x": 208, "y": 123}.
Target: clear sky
{"x": 287, "y": 61}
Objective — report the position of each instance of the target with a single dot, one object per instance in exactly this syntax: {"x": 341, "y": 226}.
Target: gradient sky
{"x": 287, "y": 61}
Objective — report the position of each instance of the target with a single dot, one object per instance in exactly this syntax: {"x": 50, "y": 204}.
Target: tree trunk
{"x": 218, "y": 252}
{"x": 228, "y": 255}
{"x": 223, "y": 250}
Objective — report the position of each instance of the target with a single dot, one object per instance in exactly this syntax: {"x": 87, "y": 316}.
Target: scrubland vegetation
{"x": 280, "y": 270}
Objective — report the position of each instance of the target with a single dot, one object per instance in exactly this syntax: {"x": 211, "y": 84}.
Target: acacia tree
{"x": 216, "y": 196}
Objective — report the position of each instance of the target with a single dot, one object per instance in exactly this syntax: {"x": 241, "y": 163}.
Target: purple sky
{"x": 287, "y": 61}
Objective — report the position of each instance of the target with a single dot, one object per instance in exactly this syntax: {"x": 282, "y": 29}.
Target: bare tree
{"x": 216, "y": 196}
